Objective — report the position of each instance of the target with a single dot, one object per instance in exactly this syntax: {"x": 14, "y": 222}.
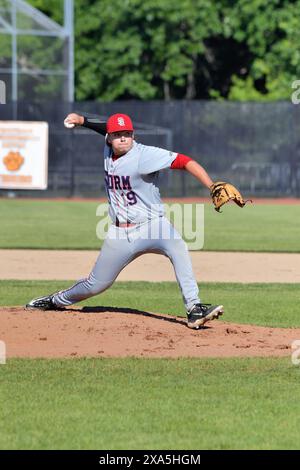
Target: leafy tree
{"x": 272, "y": 34}
{"x": 162, "y": 49}
{"x": 52, "y": 8}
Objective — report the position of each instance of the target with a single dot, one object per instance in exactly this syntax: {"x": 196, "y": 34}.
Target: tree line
{"x": 192, "y": 49}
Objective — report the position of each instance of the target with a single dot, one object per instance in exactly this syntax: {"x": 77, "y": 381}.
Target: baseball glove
{"x": 222, "y": 192}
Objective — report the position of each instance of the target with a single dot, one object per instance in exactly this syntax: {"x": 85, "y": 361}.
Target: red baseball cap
{"x": 118, "y": 122}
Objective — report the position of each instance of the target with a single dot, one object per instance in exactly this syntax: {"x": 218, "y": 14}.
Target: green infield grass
{"x": 150, "y": 404}
{"x": 72, "y": 225}
{"x": 274, "y": 305}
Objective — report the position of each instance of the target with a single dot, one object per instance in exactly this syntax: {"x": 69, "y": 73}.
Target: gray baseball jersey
{"x": 132, "y": 182}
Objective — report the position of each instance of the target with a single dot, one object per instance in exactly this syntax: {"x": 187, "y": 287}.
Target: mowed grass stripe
{"x": 72, "y": 225}
{"x": 274, "y": 305}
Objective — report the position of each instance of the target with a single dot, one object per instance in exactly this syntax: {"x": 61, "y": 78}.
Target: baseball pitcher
{"x": 132, "y": 175}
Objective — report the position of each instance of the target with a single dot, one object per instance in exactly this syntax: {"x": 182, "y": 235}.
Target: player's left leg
{"x": 173, "y": 246}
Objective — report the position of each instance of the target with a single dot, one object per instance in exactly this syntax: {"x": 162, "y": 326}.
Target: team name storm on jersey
{"x": 117, "y": 182}
{"x": 122, "y": 183}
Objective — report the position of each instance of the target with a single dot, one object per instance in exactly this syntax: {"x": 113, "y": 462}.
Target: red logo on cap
{"x": 119, "y": 122}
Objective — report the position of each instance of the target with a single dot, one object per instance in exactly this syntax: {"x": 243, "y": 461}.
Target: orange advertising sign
{"x": 23, "y": 155}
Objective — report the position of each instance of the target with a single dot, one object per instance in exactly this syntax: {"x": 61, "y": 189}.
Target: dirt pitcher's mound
{"x": 111, "y": 332}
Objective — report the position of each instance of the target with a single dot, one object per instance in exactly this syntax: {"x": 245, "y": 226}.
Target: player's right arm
{"x": 91, "y": 123}
{"x": 74, "y": 118}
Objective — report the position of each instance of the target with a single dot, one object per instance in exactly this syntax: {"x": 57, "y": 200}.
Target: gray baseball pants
{"x": 123, "y": 245}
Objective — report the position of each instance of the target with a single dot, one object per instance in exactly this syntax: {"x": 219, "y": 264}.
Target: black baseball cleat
{"x": 201, "y": 313}
{"x": 43, "y": 303}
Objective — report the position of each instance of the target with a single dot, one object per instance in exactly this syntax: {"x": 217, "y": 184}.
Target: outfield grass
{"x": 274, "y": 305}
{"x": 154, "y": 403}
{"x": 150, "y": 404}
{"x": 72, "y": 225}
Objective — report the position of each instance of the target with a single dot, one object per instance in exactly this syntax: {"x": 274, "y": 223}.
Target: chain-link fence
{"x": 36, "y": 53}
{"x": 253, "y": 145}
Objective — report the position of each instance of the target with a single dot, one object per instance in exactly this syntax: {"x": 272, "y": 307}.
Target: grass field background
{"x": 154, "y": 403}
{"x": 274, "y": 305}
{"x": 150, "y": 404}
{"x": 72, "y": 225}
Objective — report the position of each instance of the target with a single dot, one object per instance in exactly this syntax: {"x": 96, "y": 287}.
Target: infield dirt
{"x": 110, "y": 332}
{"x": 107, "y": 332}
{"x": 208, "y": 266}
